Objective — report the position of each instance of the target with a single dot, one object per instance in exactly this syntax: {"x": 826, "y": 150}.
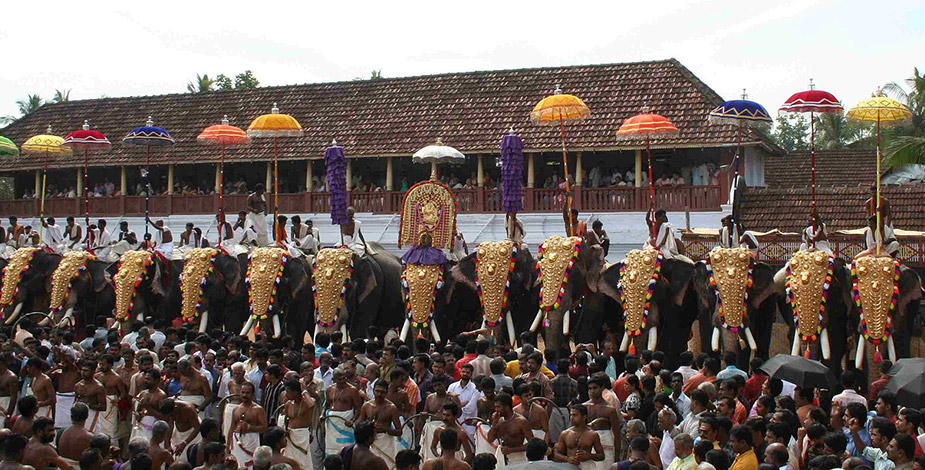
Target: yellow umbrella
{"x": 48, "y": 144}
{"x": 885, "y": 111}
{"x": 556, "y": 109}
{"x": 275, "y": 125}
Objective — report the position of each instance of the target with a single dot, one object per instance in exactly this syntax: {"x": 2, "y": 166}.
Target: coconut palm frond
{"x": 905, "y": 150}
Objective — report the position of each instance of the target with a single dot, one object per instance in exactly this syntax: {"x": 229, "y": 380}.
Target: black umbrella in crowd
{"x": 800, "y": 371}
{"x": 904, "y": 362}
{"x": 909, "y": 385}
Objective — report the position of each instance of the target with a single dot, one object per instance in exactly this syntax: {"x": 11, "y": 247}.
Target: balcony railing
{"x": 480, "y": 200}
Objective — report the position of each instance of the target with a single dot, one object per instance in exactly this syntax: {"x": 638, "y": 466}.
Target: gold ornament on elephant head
{"x": 265, "y": 268}
{"x": 494, "y": 262}
{"x": 420, "y": 282}
{"x": 809, "y": 276}
{"x": 133, "y": 268}
{"x": 331, "y": 274}
{"x": 638, "y": 274}
{"x": 876, "y": 293}
{"x": 555, "y": 259}
{"x": 72, "y": 263}
{"x": 196, "y": 269}
{"x": 12, "y": 274}
{"x": 731, "y": 278}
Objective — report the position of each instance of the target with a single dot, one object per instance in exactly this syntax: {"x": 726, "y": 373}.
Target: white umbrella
{"x": 437, "y": 153}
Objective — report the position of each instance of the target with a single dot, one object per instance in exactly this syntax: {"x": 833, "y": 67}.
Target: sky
{"x": 118, "y": 48}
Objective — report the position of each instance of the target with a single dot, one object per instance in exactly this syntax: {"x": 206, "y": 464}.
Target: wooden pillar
{"x": 389, "y": 186}
{"x": 578, "y": 179}
{"x": 80, "y": 182}
{"x": 349, "y": 173}
{"x": 123, "y": 182}
{"x": 309, "y": 183}
{"x": 218, "y": 177}
{"x": 38, "y": 185}
{"x": 269, "y": 178}
{"x": 481, "y": 172}
{"x": 170, "y": 179}
{"x": 638, "y": 170}
{"x": 530, "y": 171}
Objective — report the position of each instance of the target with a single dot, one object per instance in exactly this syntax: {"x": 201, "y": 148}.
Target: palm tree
{"x": 834, "y": 132}
{"x": 30, "y": 104}
{"x": 909, "y": 148}
{"x": 202, "y": 84}
{"x": 62, "y": 96}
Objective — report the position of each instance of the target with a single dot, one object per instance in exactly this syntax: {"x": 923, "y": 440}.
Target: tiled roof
{"x": 841, "y": 208}
{"x": 834, "y": 168}
{"x": 470, "y": 111}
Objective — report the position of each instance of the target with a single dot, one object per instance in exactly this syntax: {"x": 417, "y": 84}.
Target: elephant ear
{"x": 230, "y": 270}
{"x": 607, "y": 282}
{"x": 99, "y": 276}
{"x": 464, "y": 272}
{"x": 367, "y": 273}
{"x": 157, "y": 286}
{"x": 594, "y": 265}
{"x": 301, "y": 272}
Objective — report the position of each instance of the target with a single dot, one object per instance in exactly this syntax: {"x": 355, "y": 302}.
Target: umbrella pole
{"x": 221, "y": 193}
{"x": 87, "y": 194}
{"x": 42, "y": 200}
{"x": 568, "y": 189}
{"x": 276, "y": 237}
{"x": 147, "y": 186}
{"x": 735, "y": 184}
{"x": 812, "y": 151}
{"x": 651, "y": 194}
{"x": 878, "y": 235}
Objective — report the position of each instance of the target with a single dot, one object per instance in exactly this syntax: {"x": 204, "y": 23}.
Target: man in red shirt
{"x": 631, "y": 364}
{"x": 752, "y": 389}
{"x": 877, "y": 386}
{"x": 469, "y": 357}
{"x": 706, "y": 374}
{"x": 908, "y": 422}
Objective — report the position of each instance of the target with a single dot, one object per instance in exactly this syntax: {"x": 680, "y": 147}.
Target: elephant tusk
{"x": 247, "y": 326}
{"x": 565, "y": 322}
{"x": 67, "y": 316}
{"x": 203, "y": 321}
{"x": 434, "y": 332}
{"x": 404, "y": 330}
{"x": 653, "y": 338}
{"x": 483, "y": 324}
{"x": 714, "y": 342}
{"x": 510, "y": 328}
{"x": 15, "y": 314}
{"x": 625, "y": 344}
{"x": 536, "y": 322}
{"x": 751, "y": 339}
{"x": 277, "y": 331}
{"x": 797, "y": 343}
{"x": 859, "y": 355}
{"x": 141, "y": 316}
{"x": 343, "y": 331}
{"x": 891, "y": 349}
{"x": 824, "y": 344}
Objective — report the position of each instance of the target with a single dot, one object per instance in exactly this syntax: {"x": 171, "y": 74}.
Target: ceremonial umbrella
{"x": 7, "y": 147}
{"x": 909, "y": 386}
{"x": 800, "y": 371}
{"x": 556, "y": 109}
{"x": 275, "y": 125}
{"x": 335, "y": 168}
{"x": 647, "y": 124}
{"x": 44, "y": 144}
{"x": 148, "y": 136}
{"x": 86, "y": 139}
{"x": 224, "y": 135}
{"x": 437, "y": 153}
{"x": 812, "y": 101}
{"x": 885, "y": 111}
{"x": 743, "y": 113}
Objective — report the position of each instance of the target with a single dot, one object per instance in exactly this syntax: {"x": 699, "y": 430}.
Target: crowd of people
{"x": 155, "y": 396}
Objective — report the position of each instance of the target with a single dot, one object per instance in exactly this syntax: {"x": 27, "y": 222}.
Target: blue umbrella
{"x": 743, "y": 113}
{"x": 148, "y": 136}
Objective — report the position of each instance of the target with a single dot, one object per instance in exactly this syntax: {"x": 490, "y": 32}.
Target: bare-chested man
{"x": 39, "y": 452}
{"x": 449, "y": 441}
{"x": 40, "y": 387}
{"x": 194, "y": 387}
{"x": 534, "y": 412}
{"x": 299, "y": 411}
{"x": 13, "y": 453}
{"x": 65, "y": 375}
{"x": 184, "y": 424}
{"x": 486, "y": 404}
{"x": 160, "y": 457}
{"x": 451, "y": 413}
{"x": 126, "y": 372}
{"x": 75, "y": 439}
{"x": 9, "y": 388}
{"x": 137, "y": 382}
{"x": 248, "y": 421}
{"x": 511, "y": 429}
{"x": 275, "y": 439}
{"x": 91, "y": 391}
{"x": 604, "y": 419}
{"x": 579, "y": 445}
{"x": 147, "y": 411}
{"x": 27, "y": 407}
{"x": 344, "y": 403}
{"x": 362, "y": 456}
{"x": 433, "y": 405}
{"x": 386, "y": 422}
{"x": 116, "y": 390}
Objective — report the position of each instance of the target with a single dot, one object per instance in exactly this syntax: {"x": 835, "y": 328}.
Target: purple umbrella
{"x": 512, "y": 170}
{"x": 335, "y": 164}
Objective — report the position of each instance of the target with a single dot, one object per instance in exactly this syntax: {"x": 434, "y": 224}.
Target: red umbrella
{"x": 225, "y": 135}
{"x": 647, "y": 125}
{"x": 86, "y": 139}
{"x": 812, "y": 101}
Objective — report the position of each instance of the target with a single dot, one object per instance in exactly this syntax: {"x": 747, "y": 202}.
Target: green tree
{"x": 914, "y": 99}
{"x": 223, "y": 83}
{"x": 376, "y": 75}
{"x": 835, "y": 132}
{"x": 790, "y": 132}
{"x": 62, "y": 96}
{"x": 201, "y": 84}
{"x": 245, "y": 80}
{"x": 30, "y": 104}
{"x": 906, "y": 144}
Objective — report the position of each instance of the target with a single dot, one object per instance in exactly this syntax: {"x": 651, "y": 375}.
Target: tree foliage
{"x": 202, "y": 84}
{"x": 222, "y": 82}
{"x": 906, "y": 144}
{"x": 245, "y": 80}
{"x": 791, "y": 132}
{"x": 62, "y": 96}
{"x": 835, "y": 132}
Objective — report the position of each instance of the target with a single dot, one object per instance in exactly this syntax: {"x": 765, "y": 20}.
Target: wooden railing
{"x": 480, "y": 200}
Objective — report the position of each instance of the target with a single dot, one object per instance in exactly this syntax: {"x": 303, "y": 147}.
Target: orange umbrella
{"x": 225, "y": 135}
{"x": 275, "y": 125}
{"x": 647, "y": 124}
{"x": 555, "y": 110}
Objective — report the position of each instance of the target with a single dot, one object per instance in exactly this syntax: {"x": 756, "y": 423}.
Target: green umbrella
{"x": 7, "y": 147}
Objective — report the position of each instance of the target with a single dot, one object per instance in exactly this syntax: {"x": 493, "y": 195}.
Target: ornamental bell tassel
{"x": 632, "y": 348}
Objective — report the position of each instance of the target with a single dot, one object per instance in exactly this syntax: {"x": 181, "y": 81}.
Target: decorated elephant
{"x": 142, "y": 281}
{"x": 212, "y": 289}
{"x": 24, "y": 287}
{"x": 81, "y": 288}
{"x": 504, "y": 297}
{"x": 277, "y": 284}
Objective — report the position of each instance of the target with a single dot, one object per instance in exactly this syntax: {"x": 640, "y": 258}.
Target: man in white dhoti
{"x": 819, "y": 235}
{"x": 102, "y": 247}
{"x": 248, "y": 422}
{"x": 889, "y": 245}
{"x": 194, "y": 387}
{"x": 256, "y": 206}
{"x": 511, "y": 429}
{"x": 275, "y": 439}
{"x": 184, "y": 422}
{"x": 73, "y": 233}
{"x": 53, "y": 237}
{"x": 127, "y": 240}
{"x": 351, "y": 233}
{"x": 579, "y": 445}
{"x": 305, "y": 238}
{"x": 344, "y": 404}
{"x": 148, "y": 405}
{"x": 385, "y": 417}
{"x": 40, "y": 387}
{"x": 9, "y": 389}
{"x": 299, "y": 412}
{"x": 163, "y": 238}
{"x": 666, "y": 239}
{"x": 115, "y": 391}
{"x": 451, "y": 413}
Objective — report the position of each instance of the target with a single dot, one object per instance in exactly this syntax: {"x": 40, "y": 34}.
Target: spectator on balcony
{"x": 819, "y": 235}
{"x": 163, "y": 238}
{"x": 630, "y": 177}
{"x": 71, "y": 192}
{"x": 594, "y": 177}
{"x": 677, "y": 180}
{"x": 663, "y": 181}
{"x": 666, "y": 240}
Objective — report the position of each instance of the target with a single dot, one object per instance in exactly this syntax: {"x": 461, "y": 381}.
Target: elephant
{"x": 457, "y": 306}
{"x": 91, "y": 295}
{"x": 34, "y": 291}
{"x": 223, "y": 303}
{"x": 151, "y": 294}
{"x": 374, "y": 295}
{"x": 293, "y": 299}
